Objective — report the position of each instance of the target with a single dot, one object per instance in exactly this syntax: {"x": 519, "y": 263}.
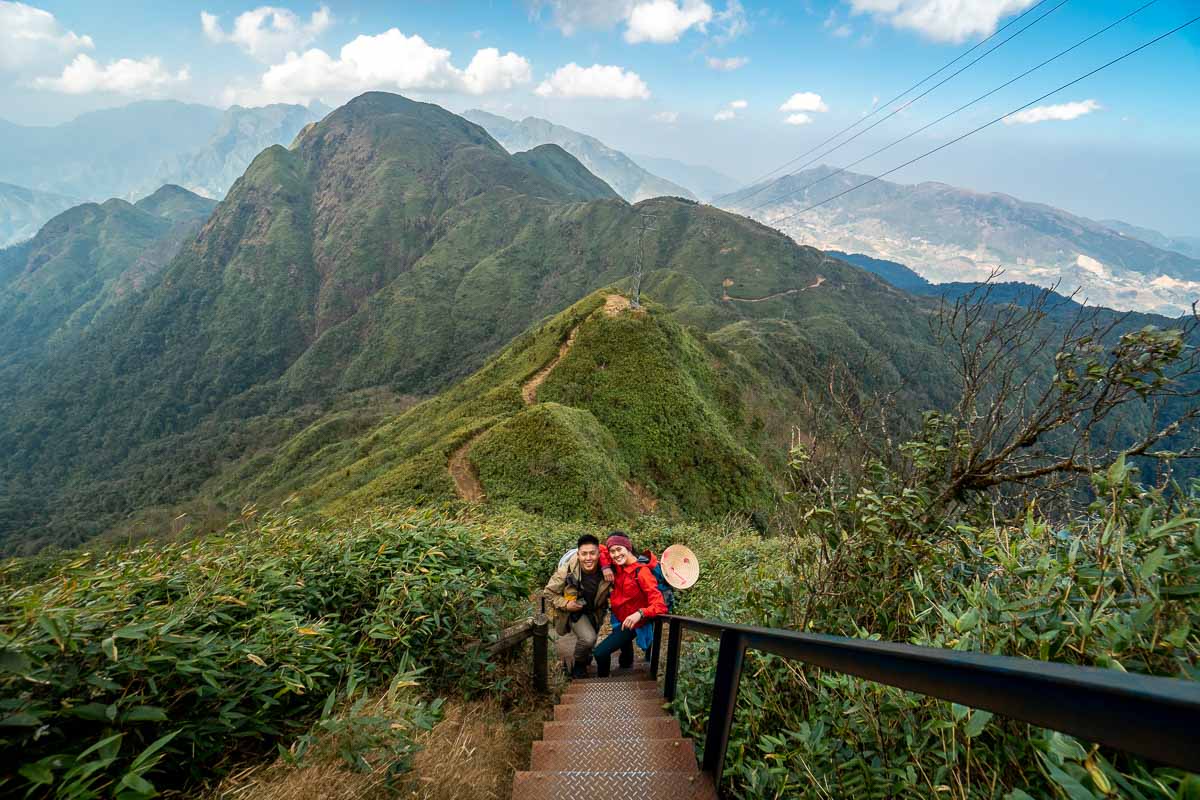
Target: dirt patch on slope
{"x": 614, "y": 304}
{"x": 466, "y": 480}
{"x": 645, "y": 502}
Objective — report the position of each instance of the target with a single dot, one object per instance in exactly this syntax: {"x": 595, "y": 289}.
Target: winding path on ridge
{"x": 728, "y": 297}
{"x": 462, "y": 471}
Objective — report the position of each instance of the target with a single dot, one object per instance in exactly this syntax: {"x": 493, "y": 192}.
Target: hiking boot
{"x": 580, "y": 670}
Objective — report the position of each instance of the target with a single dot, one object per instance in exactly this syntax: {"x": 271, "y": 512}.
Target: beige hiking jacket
{"x": 569, "y": 575}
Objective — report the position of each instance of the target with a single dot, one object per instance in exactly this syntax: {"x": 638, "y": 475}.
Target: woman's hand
{"x": 630, "y": 622}
{"x": 608, "y": 574}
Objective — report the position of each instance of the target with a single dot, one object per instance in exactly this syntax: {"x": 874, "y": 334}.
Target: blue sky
{"x": 699, "y": 80}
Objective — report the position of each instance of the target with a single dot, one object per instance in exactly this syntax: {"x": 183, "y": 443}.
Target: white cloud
{"x": 32, "y": 39}
{"x": 1062, "y": 111}
{"x": 572, "y": 16}
{"x": 804, "y": 101}
{"x": 942, "y": 20}
{"x": 664, "y": 21}
{"x": 831, "y": 24}
{"x": 738, "y": 104}
{"x": 668, "y": 117}
{"x": 598, "y": 80}
{"x": 268, "y": 33}
{"x": 389, "y": 60}
{"x": 658, "y": 21}
{"x": 727, "y": 64}
{"x": 798, "y": 119}
{"x": 724, "y": 115}
{"x": 125, "y": 76}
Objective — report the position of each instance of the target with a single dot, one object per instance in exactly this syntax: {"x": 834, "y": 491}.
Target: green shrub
{"x": 159, "y": 665}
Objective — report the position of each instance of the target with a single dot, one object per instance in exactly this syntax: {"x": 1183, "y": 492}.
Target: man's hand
{"x": 608, "y": 574}
{"x": 575, "y": 605}
{"x": 632, "y": 620}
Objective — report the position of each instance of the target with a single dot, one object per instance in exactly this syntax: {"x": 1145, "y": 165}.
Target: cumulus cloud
{"x": 804, "y": 101}
{"x": 730, "y": 111}
{"x": 727, "y": 64}
{"x": 31, "y": 39}
{"x": 1060, "y": 112}
{"x": 668, "y": 117}
{"x": 124, "y": 76}
{"x": 389, "y": 60}
{"x": 598, "y": 80}
{"x": 840, "y": 30}
{"x": 798, "y": 119}
{"x": 657, "y": 21}
{"x": 268, "y": 33}
{"x": 664, "y": 21}
{"x": 942, "y": 20}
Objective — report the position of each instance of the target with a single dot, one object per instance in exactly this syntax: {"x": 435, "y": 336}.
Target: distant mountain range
{"x": 129, "y": 152}
{"x": 618, "y": 170}
{"x": 22, "y": 211}
{"x": 1187, "y": 245}
{"x": 949, "y": 234}
{"x": 706, "y": 182}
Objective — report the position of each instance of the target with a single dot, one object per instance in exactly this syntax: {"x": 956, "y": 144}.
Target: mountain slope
{"x": 22, "y": 211}
{"x": 614, "y": 167}
{"x": 1184, "y": 245}
{"x": 705, "y": 181}
{"x": 83, "y": 263}
{"x": 950, "y": 234}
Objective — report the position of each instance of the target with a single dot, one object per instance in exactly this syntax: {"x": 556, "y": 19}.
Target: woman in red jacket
{"x": 635, "y": 599}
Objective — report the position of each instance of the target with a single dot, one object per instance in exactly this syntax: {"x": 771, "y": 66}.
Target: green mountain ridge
{"x": 22, "y": 212}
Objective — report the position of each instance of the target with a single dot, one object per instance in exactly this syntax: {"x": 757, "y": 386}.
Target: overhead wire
{"x": 974, "y": 131}
{"x": 963, "y": 107}
{"x": 908, "y": 104}
{"x": 916, "y": 85}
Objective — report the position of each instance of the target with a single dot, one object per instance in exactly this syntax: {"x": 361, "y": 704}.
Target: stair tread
{"x": 607, "y": 712}
{"x": 652, "y": 754}
{"x": 606, "y": 690}
{"x": 640, "y": 784}
{"x": 664, "y": 727}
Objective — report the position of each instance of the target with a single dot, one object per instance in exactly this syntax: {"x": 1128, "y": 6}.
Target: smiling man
{"x": 578, "y": 593}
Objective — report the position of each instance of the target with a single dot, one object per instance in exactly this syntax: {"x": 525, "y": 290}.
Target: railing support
{"x": 654, "y": 648}
{"x": 674, "y": 639}
{"x": 541, "y": 635}
{"x": 724, "y": 701}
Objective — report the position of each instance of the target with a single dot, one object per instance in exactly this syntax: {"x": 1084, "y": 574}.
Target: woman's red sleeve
{"x": 655, "y": 604}
{"x": 605, "y": 558}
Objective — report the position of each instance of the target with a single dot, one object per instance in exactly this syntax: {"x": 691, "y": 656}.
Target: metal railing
{"x": 1157, "y": 718}
{"x": 537, "y": 628}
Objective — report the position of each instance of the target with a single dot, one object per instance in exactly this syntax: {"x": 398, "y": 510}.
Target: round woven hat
{"x": 679, "y": 566}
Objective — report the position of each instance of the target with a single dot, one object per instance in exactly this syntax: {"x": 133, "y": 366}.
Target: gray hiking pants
{"x": 585, "y": 639}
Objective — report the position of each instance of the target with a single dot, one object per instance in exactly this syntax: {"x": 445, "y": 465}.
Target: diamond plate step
{"x": 649, "y": 754}
{"x": 604, "y": 712}
{"x": 653, "y": 728}
{"x": 576, "y": 693}
{"x": 618, "y": 675}
{"x": 613, "y": 786}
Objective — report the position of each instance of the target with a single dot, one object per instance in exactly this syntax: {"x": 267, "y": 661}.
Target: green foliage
{"x": 552, "y": 460}
{"x": 1118, "y": 587}
{"x": 215, "y": 649}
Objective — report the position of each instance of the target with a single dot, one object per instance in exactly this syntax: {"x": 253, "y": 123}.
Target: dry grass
{"x": 471, "y": 754}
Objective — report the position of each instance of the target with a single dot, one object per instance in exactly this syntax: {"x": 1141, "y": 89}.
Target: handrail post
{"x": 724, "y": 701}
{"x": 654, "y": 648}
{"x": 541, "y": 631}
{"x": 674, "y": 639}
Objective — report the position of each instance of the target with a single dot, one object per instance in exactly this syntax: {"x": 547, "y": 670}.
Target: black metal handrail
{"x": 1157, "y": 718}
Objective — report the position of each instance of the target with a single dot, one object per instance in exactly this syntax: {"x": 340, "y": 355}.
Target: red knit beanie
{"x": 618, "y": 538}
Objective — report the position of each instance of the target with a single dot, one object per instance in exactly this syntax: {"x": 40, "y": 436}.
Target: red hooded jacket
{"x": 635, "y": 589}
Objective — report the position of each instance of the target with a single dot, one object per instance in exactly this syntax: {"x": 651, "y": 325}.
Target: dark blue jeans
{"x": 619, "y": 639}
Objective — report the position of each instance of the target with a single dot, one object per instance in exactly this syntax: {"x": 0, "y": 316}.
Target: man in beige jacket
{"x": 578, "y": 593}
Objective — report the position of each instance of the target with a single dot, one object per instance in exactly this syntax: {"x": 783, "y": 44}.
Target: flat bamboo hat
{"x": 679, "y": 566}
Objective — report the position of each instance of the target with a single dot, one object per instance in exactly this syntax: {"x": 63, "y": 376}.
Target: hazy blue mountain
{"x": 242, "y": 133}
{"x": 949, "y": 234}
{"x": 1187, "y": 245}
{"x": 612, "y": 166}
{"x": 22, "y": 211}
{"x": 130, "y": 151}
{"x": 706, "y": 182}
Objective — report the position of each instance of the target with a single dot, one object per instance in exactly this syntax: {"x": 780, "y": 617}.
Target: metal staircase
{"x": 611, "y": 738}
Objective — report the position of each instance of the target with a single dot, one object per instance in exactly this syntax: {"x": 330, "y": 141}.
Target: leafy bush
{"x": 1117, "y": 587}
{"x": 157, "y": 666}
